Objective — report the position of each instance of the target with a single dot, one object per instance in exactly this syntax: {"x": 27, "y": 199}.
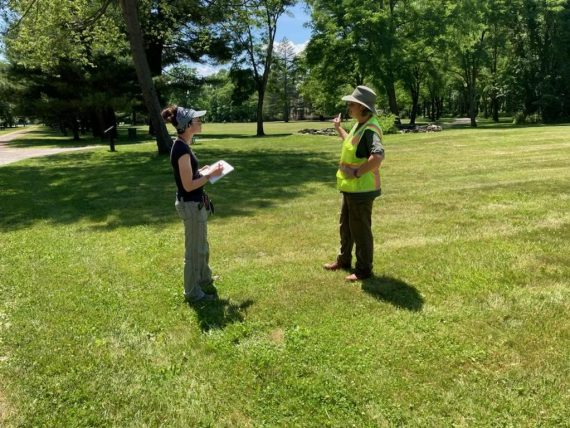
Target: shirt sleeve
{"x": 370, "y": 144}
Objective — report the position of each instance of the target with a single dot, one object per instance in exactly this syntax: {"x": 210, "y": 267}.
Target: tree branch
{"x": 15, "y": 26}
{"x": 81, "y": 25}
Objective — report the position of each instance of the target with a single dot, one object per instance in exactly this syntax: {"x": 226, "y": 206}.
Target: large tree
{"x": 357, "y": 41}
{"x": 42, "y": 33}
{"x": 181, "y": 31}
{"x": 540, "y": 57}
{"x": 420, "y": 52}
{"x": 334, "y": 56}
{"x": 130, "y": 14}
{"x": 468, "y": 35}
{"x": 254, "y": 27}
{"x": 283, "y": 80}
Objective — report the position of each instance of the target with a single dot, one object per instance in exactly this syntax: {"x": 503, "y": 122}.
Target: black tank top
{"x": 179, "y": 149}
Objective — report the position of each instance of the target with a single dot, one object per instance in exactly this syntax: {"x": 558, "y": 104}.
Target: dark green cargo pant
{"x": 356, "y": 229}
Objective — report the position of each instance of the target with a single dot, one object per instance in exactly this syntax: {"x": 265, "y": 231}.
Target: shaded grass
{"x": 464, "y": 324}
{"x": 44, "y": 137}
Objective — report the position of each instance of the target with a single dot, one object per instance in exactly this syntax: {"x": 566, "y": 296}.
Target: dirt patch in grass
{"x": 5, "y": 409}
{"x": 277, "y": 336}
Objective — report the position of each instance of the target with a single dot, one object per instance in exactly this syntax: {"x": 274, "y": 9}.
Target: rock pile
{"x": 325, "y": 131}
{"x": 426, "y": 128}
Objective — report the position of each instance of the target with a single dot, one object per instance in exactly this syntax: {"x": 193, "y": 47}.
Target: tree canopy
{"x": 77, "y": 66}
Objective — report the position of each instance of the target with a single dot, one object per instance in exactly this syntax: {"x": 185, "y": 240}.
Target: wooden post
{"x": 109, "y": 132}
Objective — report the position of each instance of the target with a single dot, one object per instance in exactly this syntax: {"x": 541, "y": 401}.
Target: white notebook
{"x": 227, "y": 168}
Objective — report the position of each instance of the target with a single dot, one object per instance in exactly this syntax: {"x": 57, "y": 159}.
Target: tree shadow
{"x": 395, "y": 292}
{"x": 503, "y": 124}
{"x": 205, "y": 136}
{"x": 218, "y": 314}
{"x": 123, "y": 189}
{"x": 42, "y": 138}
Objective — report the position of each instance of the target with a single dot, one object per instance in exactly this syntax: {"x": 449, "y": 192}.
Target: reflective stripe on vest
{"x": 367, "y": 182}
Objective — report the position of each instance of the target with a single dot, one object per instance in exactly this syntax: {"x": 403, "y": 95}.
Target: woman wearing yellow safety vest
{"x": 358, "y": 179}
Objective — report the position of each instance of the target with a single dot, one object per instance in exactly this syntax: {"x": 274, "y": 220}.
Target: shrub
{"x": 521, "y": 118}
{"x": 387, "y": 123}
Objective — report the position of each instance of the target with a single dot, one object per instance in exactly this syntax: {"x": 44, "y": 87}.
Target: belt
{"x": 181, "y": 199}
{"x": 205, "y": 202}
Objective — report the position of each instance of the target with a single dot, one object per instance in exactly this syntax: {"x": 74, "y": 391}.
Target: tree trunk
{"x": 259, "y": 112}
{"x": 75, "y": 129}
{"x": 286, "y": 115}
{"x": 473, "y": 107}
{"x": 413, "y": 113}
{"x": 415, "y": 92}
{"x": 153, "y": 51}
{"x": 495, "y": 108}
{"x": 111, "y": 120}
{"x": 494, "y": 97}
{"x": 130, "y": 15}
{"x": 391, "y": 92}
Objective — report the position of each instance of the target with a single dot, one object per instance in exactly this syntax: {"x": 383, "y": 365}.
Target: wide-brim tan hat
{"x": 363, "y": 95}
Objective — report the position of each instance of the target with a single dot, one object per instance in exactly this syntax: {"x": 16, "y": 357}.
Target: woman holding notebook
{"x": 192, "y": 203}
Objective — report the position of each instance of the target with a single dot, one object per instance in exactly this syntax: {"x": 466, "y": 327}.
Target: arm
{"x": 186, "y": 174}
{"x": 370, "y": 147}
{"x": 341, "y": 132}
{"x": 371, "y": 164}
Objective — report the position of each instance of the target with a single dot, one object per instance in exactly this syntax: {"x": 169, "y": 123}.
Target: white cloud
{"x": 298, "y": 47}
{"x": 204, "y": 70}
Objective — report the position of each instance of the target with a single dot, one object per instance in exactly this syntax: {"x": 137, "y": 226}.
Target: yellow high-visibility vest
{"x": 367, "y": 182}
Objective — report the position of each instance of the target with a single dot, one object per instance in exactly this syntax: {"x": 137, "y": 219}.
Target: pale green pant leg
{"x": 196, "y": 254}
{"x": 205, "y": 275}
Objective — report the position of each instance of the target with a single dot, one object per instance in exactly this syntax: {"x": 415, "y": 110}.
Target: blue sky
{"x": 292, "y": 27}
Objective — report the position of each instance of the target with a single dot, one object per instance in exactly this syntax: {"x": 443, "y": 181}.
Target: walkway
{"x": 9, "y": 154}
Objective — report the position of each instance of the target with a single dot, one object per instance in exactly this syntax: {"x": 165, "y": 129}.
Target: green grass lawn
{"x": 465, "y": 323}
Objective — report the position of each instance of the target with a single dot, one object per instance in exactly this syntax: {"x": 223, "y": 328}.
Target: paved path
{"x": 10, "y": 154}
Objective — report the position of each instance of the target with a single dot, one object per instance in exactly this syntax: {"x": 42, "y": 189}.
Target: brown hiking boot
{"x": 354, "y": 277}
{"x": 334, "y": 266}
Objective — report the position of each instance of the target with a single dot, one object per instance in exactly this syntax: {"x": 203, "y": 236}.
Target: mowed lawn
{"x": 465, "y": 323}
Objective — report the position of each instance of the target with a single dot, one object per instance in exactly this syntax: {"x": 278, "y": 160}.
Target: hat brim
{"x": 200, "y": 113}
{"x": 354, "y": 100}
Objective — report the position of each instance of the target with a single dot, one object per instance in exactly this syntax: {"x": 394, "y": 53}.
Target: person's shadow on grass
{"x": 394, "y": 291}
{"x": 219, "y": 313}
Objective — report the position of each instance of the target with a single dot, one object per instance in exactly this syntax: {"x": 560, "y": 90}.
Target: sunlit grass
{"x": 464, "y": 324}
{"x": 5, "y": 131}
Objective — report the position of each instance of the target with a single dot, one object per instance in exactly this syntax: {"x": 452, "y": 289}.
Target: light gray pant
{"x": 197, "y": 272}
